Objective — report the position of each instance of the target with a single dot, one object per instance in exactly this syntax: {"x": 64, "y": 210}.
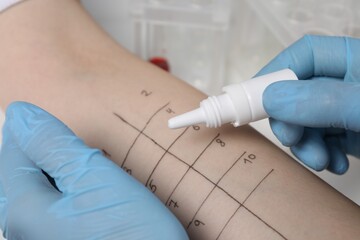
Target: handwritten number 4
{"x": 169, "y": 110}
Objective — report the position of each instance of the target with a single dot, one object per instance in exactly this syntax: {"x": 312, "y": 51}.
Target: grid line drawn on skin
{"x": 191, "y": 166}
{"x": 215, "y": 185}
{"x": 166, "y": 151}
{"x": 141, "y": 131}
{"x": 242, "y": 205}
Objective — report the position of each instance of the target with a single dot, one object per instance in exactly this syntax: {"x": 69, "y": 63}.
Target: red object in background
{"x": 160, "y": 62}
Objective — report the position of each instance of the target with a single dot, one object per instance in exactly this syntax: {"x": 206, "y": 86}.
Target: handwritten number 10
{"x": 249, "y": 158}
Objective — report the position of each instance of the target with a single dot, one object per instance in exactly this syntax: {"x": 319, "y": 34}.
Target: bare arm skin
{"x": 221, "y": 183}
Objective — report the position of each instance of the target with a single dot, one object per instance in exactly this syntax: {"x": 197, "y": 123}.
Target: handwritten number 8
{"x": 219, "y": 141}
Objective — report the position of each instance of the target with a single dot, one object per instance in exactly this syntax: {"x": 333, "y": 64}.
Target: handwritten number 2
{"x": 146, "y": 93}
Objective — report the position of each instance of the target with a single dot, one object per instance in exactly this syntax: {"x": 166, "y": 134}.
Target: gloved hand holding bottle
{"x": 98, "y": 200}
{"x": 318, "y": 118}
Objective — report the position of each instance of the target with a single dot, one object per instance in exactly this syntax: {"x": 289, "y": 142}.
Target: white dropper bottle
{"x": 241, "y": 103}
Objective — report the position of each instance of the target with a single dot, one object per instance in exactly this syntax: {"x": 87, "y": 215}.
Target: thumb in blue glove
{"x": 97, "y": 199}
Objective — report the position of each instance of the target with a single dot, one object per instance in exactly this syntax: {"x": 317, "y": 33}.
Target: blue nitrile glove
{"x": 98, "y": 200}
{"x": 318, "y": 119}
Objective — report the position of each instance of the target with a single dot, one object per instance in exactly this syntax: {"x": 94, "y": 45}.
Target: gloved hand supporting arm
{"x": 98, "y": 200}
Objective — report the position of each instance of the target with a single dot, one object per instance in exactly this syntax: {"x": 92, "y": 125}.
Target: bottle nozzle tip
{"x": 172, "y": 123}
{"x": 187, "y": 119}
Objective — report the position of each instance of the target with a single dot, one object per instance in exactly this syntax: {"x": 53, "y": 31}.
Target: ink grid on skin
{"x": 215, "y": 208}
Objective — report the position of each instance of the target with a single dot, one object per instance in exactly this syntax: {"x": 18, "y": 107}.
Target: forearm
{"x": 226, "y": 183}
